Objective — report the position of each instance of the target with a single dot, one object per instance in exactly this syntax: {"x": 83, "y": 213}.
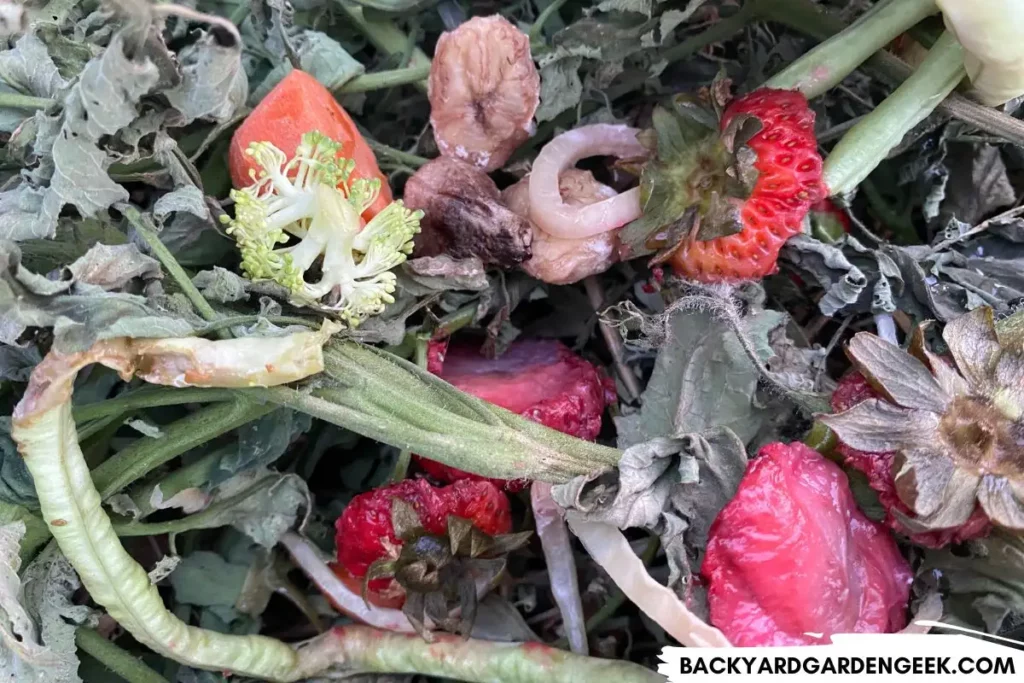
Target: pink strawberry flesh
{"x": 539, "y": 379}
{"x": 792, "y": 555}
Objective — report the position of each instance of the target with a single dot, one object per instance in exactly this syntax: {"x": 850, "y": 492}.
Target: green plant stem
{"x": 391, "y": 400}
{"x": 127, "y": 666}
{"x": 234, "y": 320}
{"x": 870, "y": 141}
{"x": 386, "y": 79}
{"x": 809, "y": 18}
{"x": 385, "y": 37}
{"x": 193, "y": 475}
{"x": 901, "y": 226}
{"x": 149, "y": 397}
{"x": 537, "y": 28}
{"x": 721, "y": 30}
{"x": 365, "y": 649}
{"x": 830, "y": 62}
{"x": 13, "y": 100}
{"x": 166, "y": 258}
{"x": 396, "y": 154}
{"x": 405, "y": 456}
{"x": 37, "y": 533}
{"x": 145, "y": 455}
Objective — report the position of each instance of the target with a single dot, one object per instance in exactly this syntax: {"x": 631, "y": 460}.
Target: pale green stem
{"x": 721, "y": 30}
{"x": 391, "y": 400}
{"x": 398, "y": 155}
{"x": 124, "y": 665}
{"x": 386, "y": 79}
{"x": 145, "y": 454}
{"x": 405, "y": 456}
{"x": 13, "y": 100}
{"x": 149, "y": 235}
{"x": 830, "y": 62}
{"x": 364, "y": 649}
{"x": 385, "y": 36}
{"x": 869, "y": 142}
{"x": 538, "y": 26}
{"x": 149, "y": 397}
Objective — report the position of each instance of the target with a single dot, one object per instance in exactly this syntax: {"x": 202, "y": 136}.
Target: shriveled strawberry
{"x": 854, "y": 389}
{"x": 788, "y": 182}
{"x": 297, "y": 105}
{"x": 539, "y": 379}
{"x": 792, "y": 555}
{"x": 365, "y": 531}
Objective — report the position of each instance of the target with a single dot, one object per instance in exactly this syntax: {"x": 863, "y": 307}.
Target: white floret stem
{"x": 280, "y": 215}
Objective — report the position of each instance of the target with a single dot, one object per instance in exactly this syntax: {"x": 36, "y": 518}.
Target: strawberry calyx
{"x": 442, "y": 573}
{"x": 695, "y": 185}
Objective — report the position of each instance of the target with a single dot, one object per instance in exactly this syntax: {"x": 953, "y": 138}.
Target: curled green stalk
{"x": 869, "y": 142}
{"x": 44, "y": 430}
{"x": 830, "y": 62}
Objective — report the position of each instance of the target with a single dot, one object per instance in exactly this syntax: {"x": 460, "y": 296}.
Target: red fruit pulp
{"x": 854, "y": 389}
{"x": 792, "y": 555}
{"x": 538, "y": 379}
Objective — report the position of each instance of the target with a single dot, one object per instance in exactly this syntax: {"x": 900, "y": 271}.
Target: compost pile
{"x": 415, "y": 339}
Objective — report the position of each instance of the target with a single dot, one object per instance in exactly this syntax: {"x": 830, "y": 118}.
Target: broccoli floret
{"x": 313, "y": 197}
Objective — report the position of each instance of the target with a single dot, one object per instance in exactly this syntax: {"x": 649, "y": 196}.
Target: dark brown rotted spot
{"x": 464, "y": 216}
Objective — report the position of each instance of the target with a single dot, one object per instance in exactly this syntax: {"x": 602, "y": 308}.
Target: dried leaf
{"x": 904, "y": 379}
{"x": 113, "y": 267}
{"x": 213, "y": 83}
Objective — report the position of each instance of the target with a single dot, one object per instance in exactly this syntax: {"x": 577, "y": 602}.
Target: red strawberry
{"x": 365, "y": 533}
{"x": 788, "y": 183}
{"x": 539, "y": 379}
{"x": 853, "y": 389}
{"x": 791, "y": 554}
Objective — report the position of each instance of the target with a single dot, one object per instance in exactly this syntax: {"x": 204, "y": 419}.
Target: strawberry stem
{"x": 830, "y": 62}
{"x": 391, "y": 400}
{"x": 869, "y": 142}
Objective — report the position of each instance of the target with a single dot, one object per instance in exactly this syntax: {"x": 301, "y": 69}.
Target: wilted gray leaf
{"x": 48, "y": 585}
{"x": 978, "y": 182}
{"x": 111, "y": 267}
{"x": 16, "y": 363}
{"x": 560, "y": 84}
{"x": 213, "y": 83}
{"x": 16, "y": 485}
{"x": 104, "y": 100}
{"x": 187, "y": 198}
{"x": 673, "y": 487}
{"x": 441, "y": 273}
{"x": 27, "y": 212}
{"x": 29, "y": 70}
{"x": 702, "y": 379}
{"x": 982, "y": 583}
{"x": 259, "y": 503}
{"x": 80, "y": 176}
{"x": 221, "y": 285}
{"x": 205, "y": 579}
{"x": 80, "y": 314}
{"x": 320, "y": 56}
{"x": 637, "y": 6}
{"x": 263, "y": 441}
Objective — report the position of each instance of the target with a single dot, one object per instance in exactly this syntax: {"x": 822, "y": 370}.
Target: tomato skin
{"x": 298, "y": 105}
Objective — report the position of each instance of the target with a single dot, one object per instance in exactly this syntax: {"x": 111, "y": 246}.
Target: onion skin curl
{"x": 557, "y": 218}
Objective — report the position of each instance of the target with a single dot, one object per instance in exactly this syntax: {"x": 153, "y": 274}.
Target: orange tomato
{"x": 297, "y": 105}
